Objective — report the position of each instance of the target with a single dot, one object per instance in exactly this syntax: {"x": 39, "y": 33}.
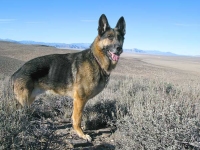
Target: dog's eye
{"x": 110, "y": 36}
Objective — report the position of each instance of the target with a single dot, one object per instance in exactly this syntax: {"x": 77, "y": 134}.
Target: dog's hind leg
{"x": 78, "y": 106}
{"x": 22, "y": 91}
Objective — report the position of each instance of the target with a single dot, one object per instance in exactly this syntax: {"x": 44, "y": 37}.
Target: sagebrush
{"x": 146, "y": 114}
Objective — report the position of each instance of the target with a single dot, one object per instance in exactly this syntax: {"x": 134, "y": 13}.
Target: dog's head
{"x": 111, "y": 39}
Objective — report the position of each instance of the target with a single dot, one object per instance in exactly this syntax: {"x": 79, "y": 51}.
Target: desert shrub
{"x": 100, "y": 114}
{"x": 10, "y": 124}
{"x": 160, "y": 115}
{"x": 146, "y": 114}
{"x": 29, "y": 127}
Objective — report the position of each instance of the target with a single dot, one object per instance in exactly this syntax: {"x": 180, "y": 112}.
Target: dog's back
{"x": 49, "y": 72}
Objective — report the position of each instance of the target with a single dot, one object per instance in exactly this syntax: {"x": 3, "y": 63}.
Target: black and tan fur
{"x": 79, "y": 75}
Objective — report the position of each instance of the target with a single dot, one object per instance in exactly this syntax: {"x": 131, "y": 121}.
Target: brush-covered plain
{"x": 148, "y": 106}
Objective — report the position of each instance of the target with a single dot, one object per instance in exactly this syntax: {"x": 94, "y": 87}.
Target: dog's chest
{"x": 98, "y": 85}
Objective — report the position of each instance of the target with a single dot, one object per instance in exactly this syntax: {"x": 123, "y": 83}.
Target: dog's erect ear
{"x": 103, "y": 24}
{"x": 121, "y": 25}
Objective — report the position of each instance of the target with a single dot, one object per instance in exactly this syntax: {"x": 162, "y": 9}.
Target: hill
{"x": 81, "y": 46}
{"x": 151, "y": 102}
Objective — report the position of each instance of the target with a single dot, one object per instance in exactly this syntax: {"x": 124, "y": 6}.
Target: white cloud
{"x": 34, "y": 22}
{"x": 7, "y": 20}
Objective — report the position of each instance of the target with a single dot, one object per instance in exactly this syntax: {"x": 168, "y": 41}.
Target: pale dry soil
{"x": 179, "y": 70}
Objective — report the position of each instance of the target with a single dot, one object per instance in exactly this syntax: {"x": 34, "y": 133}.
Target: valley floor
{"x": 151, "y": 102}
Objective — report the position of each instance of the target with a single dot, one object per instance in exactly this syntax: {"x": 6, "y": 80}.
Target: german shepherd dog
{"x": 79, "y": 75}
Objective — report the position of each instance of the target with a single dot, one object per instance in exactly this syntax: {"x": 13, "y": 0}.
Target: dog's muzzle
{"x": 114, "y": 53}
{"x": 113, "y": 56}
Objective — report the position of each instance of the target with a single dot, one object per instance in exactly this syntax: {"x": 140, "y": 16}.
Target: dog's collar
{"x": 104, "y": 72}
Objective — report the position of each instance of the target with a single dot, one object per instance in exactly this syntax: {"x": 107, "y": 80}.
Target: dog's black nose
{"x": 119, "y": 50}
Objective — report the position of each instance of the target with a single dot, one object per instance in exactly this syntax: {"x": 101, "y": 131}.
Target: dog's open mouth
{"x": 113, "y": 56}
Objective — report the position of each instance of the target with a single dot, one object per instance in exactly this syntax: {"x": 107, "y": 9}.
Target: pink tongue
{"x": 114, "y": 57}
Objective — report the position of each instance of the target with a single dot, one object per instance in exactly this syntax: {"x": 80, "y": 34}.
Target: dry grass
{"x": 147, "y": 114}
{"x": 31, "y": 127}
{"x": 159, "y": 115}
{"x": 149, "y": 107}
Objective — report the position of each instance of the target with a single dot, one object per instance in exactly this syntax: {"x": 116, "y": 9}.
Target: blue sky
{"x": 165, "y": 25}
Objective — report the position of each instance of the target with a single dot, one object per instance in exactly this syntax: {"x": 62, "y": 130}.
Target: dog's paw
{"x": 88, "y": 138}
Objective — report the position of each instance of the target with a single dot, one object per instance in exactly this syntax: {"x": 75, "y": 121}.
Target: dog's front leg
{"x": 78, "y": 106}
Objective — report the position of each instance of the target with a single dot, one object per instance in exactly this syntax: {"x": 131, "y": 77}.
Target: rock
{"x": 105, "y": 135}
{"x": 105, "y": 130}
{"x": 78, "y": 143}
{"x": 103, "y": 146}
{"x": 195, "y": 144}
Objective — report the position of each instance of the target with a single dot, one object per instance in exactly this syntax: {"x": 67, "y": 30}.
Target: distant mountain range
{"x": 152, "y": 52}
{"x": 82, "y": 46}
{"x": 57, "y": 45}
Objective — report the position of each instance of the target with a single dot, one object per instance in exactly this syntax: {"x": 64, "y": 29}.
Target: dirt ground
{"x": 13, "y": 55}
{"x": 177, "y": 69}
